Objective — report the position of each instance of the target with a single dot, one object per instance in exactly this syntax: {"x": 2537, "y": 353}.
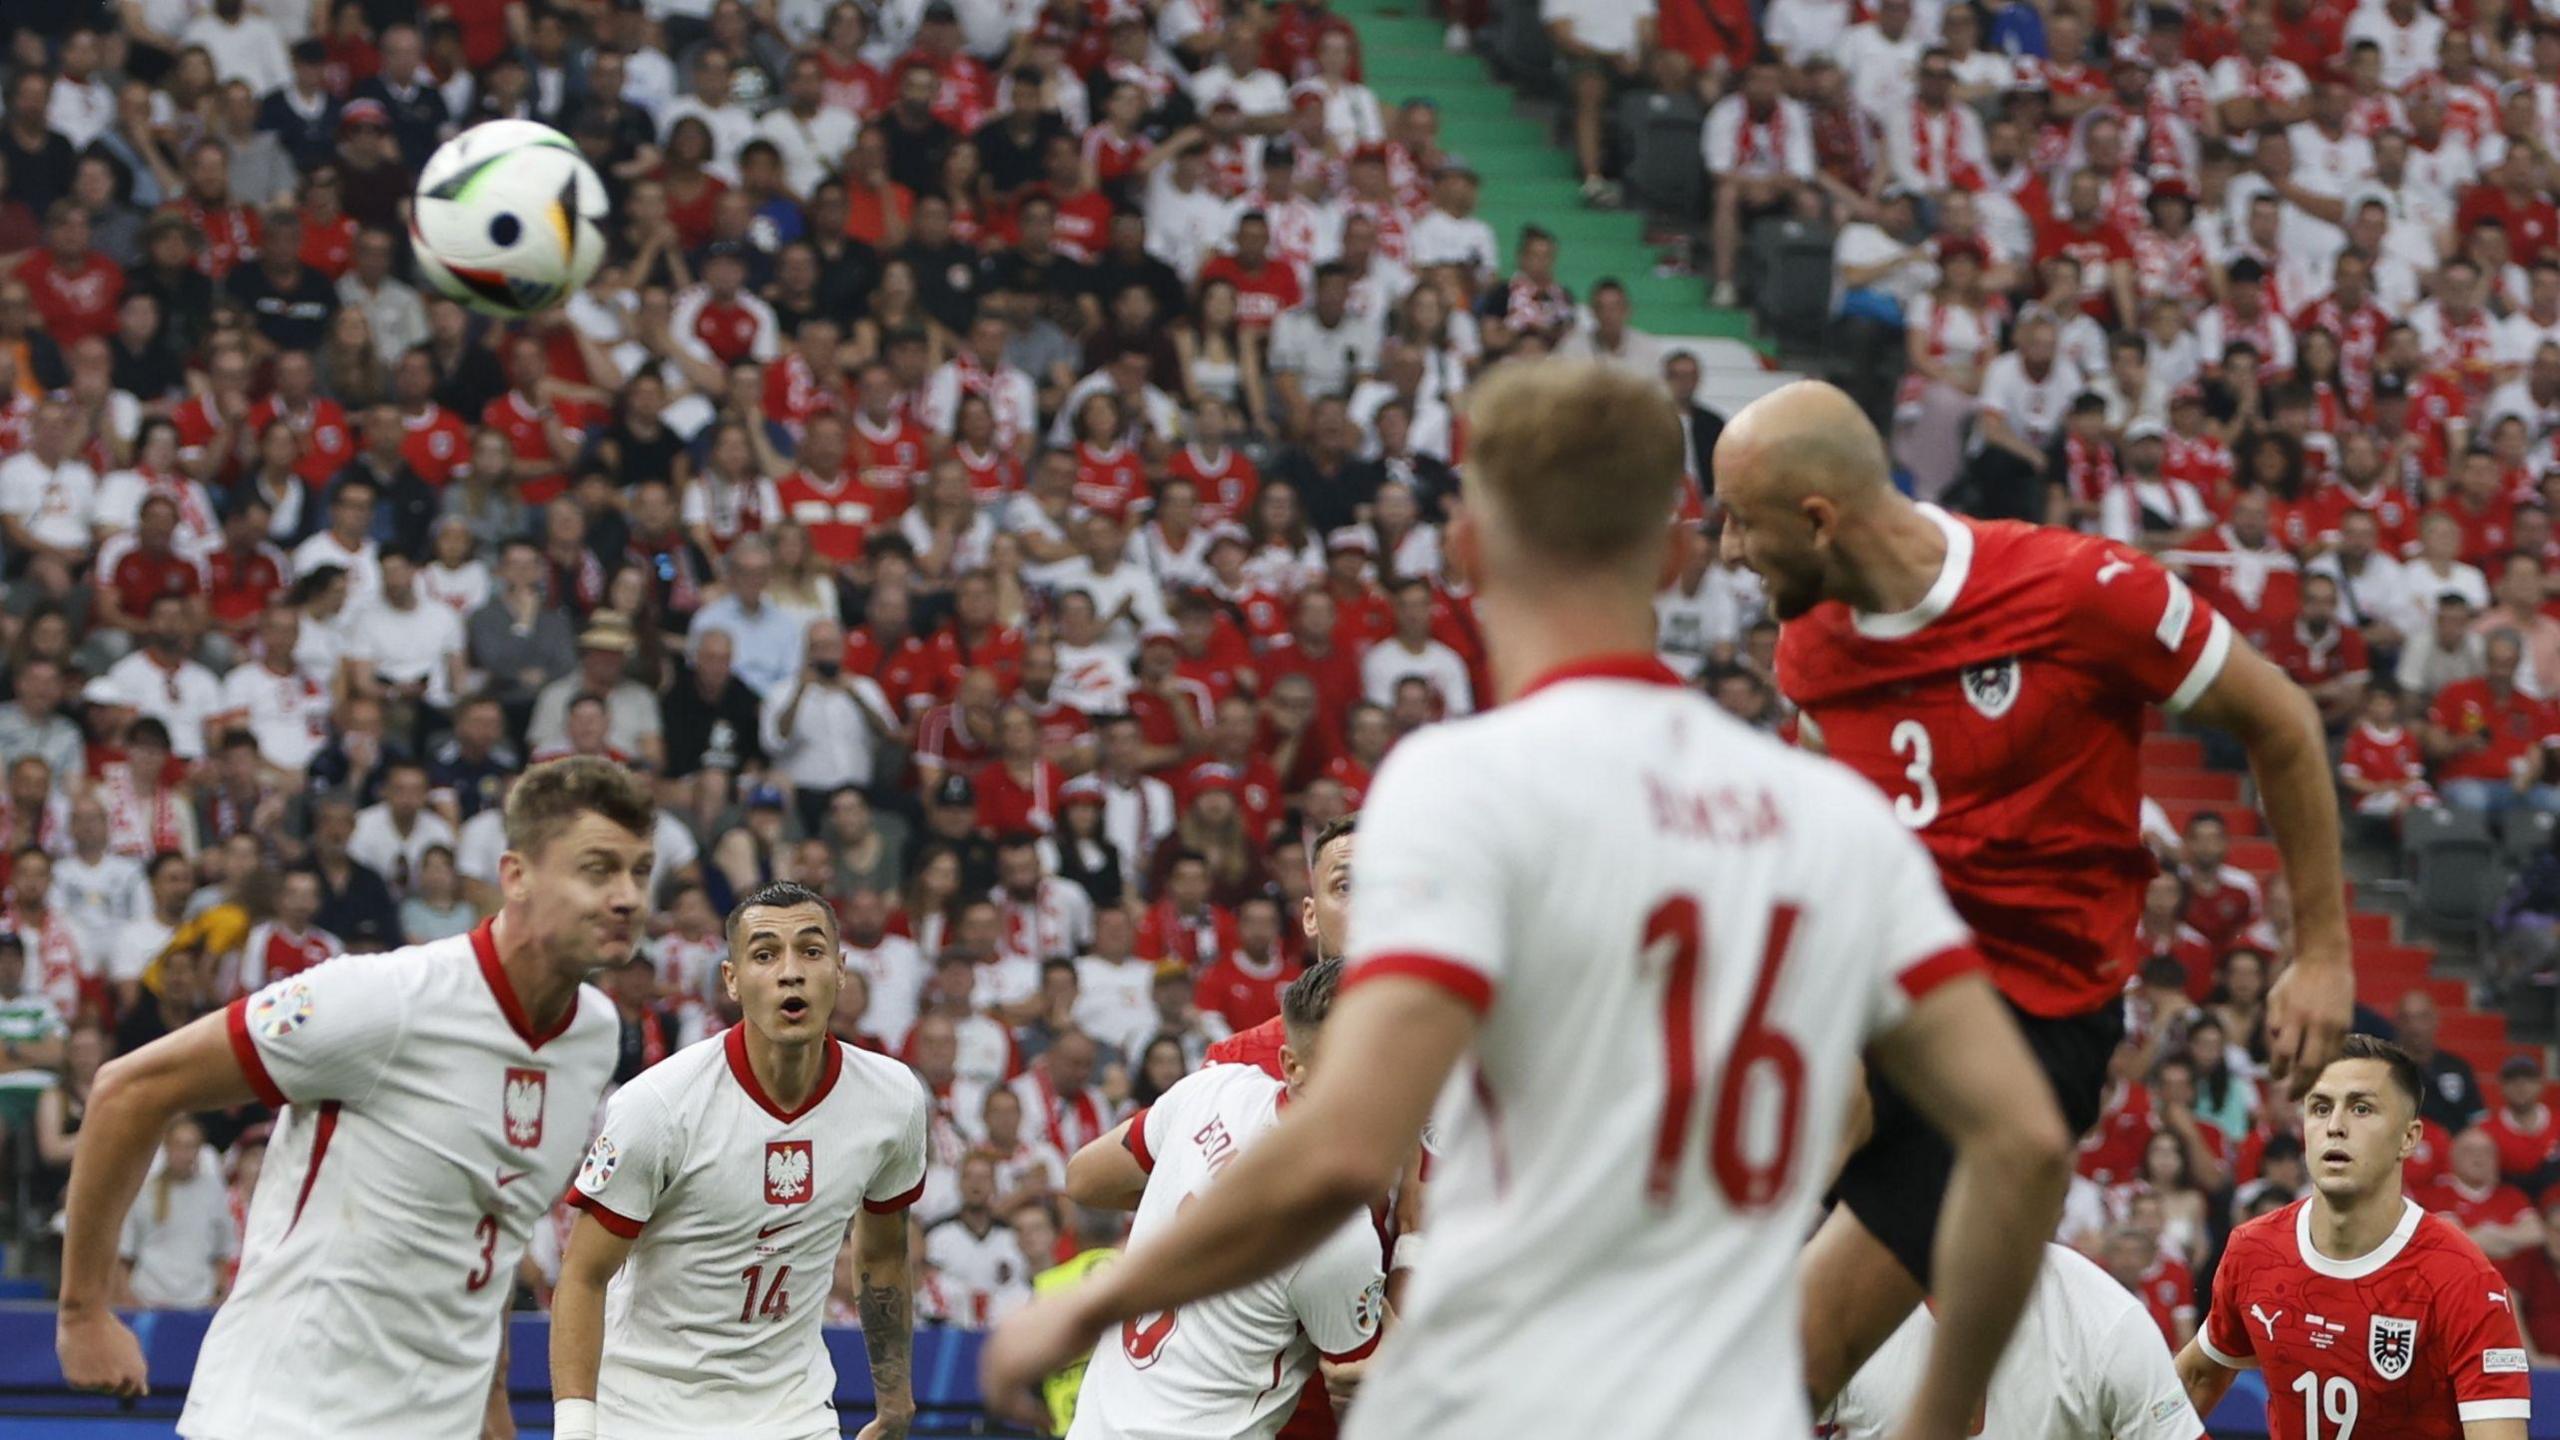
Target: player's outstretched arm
{"x": 1959, "y": 1058}
{"x": 887, "y": 1307}
{"x": 2313, "y": 1000}
{"x": 2205, "y": 1378}
{"x": 130, "y": 1107}
{"x": 1105, "y": 1173}
{"x": 1388, "y": 1046}
{"x": 594, "y": 1257}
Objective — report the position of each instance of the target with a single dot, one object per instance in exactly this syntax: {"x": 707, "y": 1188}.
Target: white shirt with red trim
{"x": 426, "y": 1129}
{"x": 2087, "y": 1363}
{"x": 1674, "y": 985}
{"x": 736, "y": 1208}
{"x": 1228, "y": 1367}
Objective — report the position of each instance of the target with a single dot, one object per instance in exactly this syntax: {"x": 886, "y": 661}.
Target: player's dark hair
{"x": 780, "y": 895}
{"x": 551, "y": 797}
{"x": 1338, "y": 828}
{"x": 2405, "y": 1074}
{"x": 1309, "y": 999}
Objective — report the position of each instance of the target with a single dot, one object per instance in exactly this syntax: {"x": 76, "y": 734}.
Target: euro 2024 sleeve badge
{"x": 280, "y": 1010}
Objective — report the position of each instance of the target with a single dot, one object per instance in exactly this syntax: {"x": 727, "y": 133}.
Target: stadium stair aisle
{"x": 2175, "y": 774}
{"x": 1527, "y": 178}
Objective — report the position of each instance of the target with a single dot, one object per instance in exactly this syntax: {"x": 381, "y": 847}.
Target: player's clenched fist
{"x": 99, "y": 1352}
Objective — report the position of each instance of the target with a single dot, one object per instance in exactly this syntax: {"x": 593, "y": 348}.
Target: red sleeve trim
{"x": 1136, "y": 1141}
{"x": 1361, "y": 1352}
{"x": 1953, "y": 963}
{"x": 606, "y": 1216}
{"x": 253, "y": 1066}
{"x": 895, "y": 1203}
{"x": 1468, "y": 984}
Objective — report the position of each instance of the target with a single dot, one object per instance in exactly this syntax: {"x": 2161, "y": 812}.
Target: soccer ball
{"x": 506, "y": 219}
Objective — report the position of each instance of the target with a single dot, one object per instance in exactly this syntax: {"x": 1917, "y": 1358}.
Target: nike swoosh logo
{"x": 506, "y": 1179}
{"x": 772, "y": 1230}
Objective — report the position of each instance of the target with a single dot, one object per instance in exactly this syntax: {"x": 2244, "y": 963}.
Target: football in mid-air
{"x": 508, "y": 218}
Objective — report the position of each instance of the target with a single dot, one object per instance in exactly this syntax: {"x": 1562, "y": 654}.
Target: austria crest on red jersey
{"x": 522, "y": 1103}
{"x": 2391, "y": 1345}
{"x": 1992, "y": 687}
{"x": 786, "y": 1172}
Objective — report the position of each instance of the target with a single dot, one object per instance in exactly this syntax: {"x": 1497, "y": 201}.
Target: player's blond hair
{"x": 1580, "y": 460}
{"x": 552, "y": 795}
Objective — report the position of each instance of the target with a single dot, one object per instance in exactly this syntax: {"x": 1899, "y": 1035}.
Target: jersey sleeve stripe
{"x": 2213, "y": 1352}
{"x": 2470, "y": 1410}
{"x": 1470, "y": 985}
{"x": 1363, "y": 1350}
{"x": 610, "y": 1218}
{"x": 253, "y": 1066}
{"x": 1136, "y": 1140}
{"x": 2208, "y": 666}
{"x": 1953, "y": 963}
{"x": 894, "y": 1203}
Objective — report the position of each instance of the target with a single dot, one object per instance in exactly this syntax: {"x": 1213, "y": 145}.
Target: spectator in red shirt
{"x": 2508, "y": 195}
{"x": 2166, "y": 1287}
{"x": 2324, "y": 657}
{"x": 1243, "y": 987}
{"x": 2525, "y": 1130}
{"x": 2496, "y": 1215}
{"x": 74, "y": 289}
{"x": 2486, "y": 736}
{"x": 1184, "y": 924}
{"x": 2223, "y": 901}
{"x": 1018, "y": 793}
{"x": 1265, "y": 285}
{"x": 137, "y": 568}
{"x": 2105, "y": 256}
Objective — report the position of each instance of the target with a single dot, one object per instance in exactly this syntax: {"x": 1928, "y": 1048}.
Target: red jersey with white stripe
{"x": 426, "y": 1128}
{"x": 276, "y": 953}
{"x": 1645, "y": 927}
{"x": 890, "y": 460}
{"x": 1228, "y": 1367}
{"x": 436, "y": 443}
{"x": 2003, "y": 715}
{"x": 836, "y": 511}
{"x": 1227, "y": 482}
{"x": 736, "y": 1208}
{"x": 2411, "y": 1340}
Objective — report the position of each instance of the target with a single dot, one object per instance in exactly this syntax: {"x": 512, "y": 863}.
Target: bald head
{"x": 1807, "y": 438}
{"x": 1803, "y": 478}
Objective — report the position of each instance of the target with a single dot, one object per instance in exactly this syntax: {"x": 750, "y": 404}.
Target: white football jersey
{"x": 737, "y": 1209}
{"x": 2086, "y": 1363}
{"x": 425, "y": 1129}
{"x": 1679, "y": 933}
{"x": 1228, "y": 1367}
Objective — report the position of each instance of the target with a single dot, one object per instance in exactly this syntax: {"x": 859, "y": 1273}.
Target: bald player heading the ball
{"x": 434, "y": 1102}
{"x": 1991, "y": 678}
{"x": 717, "y": 1195}
{"x": 1633, "y": 949}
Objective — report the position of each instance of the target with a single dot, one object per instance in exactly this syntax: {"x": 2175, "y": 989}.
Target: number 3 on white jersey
{"x": 1916, "y": 810}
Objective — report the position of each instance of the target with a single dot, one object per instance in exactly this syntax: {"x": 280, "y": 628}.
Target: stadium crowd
{"x": 996, "y": 479}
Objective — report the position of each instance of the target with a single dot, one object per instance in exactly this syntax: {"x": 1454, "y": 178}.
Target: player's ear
{"x": 729, "y": 978}
{"x": 1461, "y": 541}
{"x": 2410, "y": 1137}
{"x": 1307, "y": 915}
{"x": 514, "y": 882}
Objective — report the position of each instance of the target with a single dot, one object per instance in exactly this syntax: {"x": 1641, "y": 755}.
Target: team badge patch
{"x": 278, "y": 1013}
{"x": 1991, "y": 689}
{"x": 521, "y": 1103}
{"x": 603, "y": 1158}
{"x": 2391, "y": 1345}
{"x": 787, "y": 1177}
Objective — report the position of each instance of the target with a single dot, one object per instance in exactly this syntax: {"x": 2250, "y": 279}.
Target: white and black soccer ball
{"x": 508, "y": 218}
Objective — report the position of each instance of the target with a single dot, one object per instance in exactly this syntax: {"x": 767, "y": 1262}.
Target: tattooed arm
{"x": 887, "y": 1305}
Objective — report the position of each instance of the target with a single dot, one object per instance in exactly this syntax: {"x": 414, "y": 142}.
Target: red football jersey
{"x": 1109, "y": 482}
{"x": 2409, "y": 1341}
{"x": 436, "y": 444}
{"x": 891, "y": 462}
{"x": 1243, "y": 993}
{"x": 1227, "y": 482}
{"x": 2003, "y": 716}
{"x": 327, "y": 443}
{"x": 2168, "y": 1293}
{"x": 838, "y": 514}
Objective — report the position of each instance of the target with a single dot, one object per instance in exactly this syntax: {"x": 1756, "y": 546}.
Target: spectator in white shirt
{"x": 1601, "y": 43}
{"x": 2025, "y": 394}
{"x": 244, "y": 46}
{"x": 179, "y": 1234}
{"x": 408, "y": 649}
{"x": 731, "y": 124}
{"x": 1410, "y": 653}
{"x": 1321, "y": 348}
{"x": 394, "y": 834}
{"x": 347, "y": 544}
{"x": 1880, "y": 57}
{"x": 1187, "y": 220}
{"x": 1606, "y": 336}
{"x": 826, "y": 728}
{"x": 81, "y": 107}
{"x": 158, "y": 680}
{"x": 48, "y": 499}
{"x": 1451, "y": 233}
{"x": 1125, "y": 595}
{"x": 1759, "y": 147}
{"x": 810, "y": 137}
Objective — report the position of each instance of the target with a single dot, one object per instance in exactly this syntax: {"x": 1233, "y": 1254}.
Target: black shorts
{"x": 1896, "y": 1182}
